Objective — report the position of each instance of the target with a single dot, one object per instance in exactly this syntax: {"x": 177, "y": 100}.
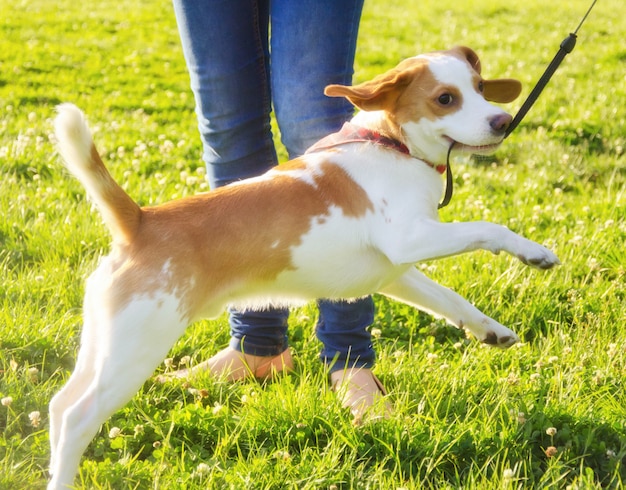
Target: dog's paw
{"x": 503, "y": 341}
{"x": 538, "y": 256}
{"x": 490, "y": 332}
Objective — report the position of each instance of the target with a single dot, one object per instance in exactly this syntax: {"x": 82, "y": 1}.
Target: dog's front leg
{"x": 415, "y": 289}
{"x": 429, "y": 239}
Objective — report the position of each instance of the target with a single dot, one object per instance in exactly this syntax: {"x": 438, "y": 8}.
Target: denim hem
{"x": 246, "y": 347}
{"x": 336, "y": 364}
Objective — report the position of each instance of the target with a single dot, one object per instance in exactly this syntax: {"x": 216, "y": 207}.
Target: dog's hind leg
{"x": 117, "y": 356}
{"x": 76, "y": 385}
{"x": 84, "y": 372}
{"x": 415, "y": 289}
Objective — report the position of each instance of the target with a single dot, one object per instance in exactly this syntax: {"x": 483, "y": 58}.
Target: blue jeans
{"x": 238, "y": 73}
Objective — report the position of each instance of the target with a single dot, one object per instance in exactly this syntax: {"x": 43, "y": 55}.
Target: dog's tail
{"x": 120, "y": 213}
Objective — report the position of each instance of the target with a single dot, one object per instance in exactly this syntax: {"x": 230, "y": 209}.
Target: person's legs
{"x": 226, "y": 51}
{"x": 225, "y": 43}
{"x": 342, "y": 329}
{"x": 313, "y": 44}
{"x": 349, "y": 354}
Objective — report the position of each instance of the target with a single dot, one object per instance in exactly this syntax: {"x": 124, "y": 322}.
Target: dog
{"x": 350, "y": 218}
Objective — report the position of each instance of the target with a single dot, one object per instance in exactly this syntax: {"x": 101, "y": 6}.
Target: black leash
{"x": 565, "y": 48}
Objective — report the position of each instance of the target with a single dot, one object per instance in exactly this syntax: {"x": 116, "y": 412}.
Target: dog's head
{"x": 436, "y": 99}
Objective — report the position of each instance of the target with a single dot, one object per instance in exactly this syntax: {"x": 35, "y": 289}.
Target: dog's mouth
{"x": 474, "y": 149}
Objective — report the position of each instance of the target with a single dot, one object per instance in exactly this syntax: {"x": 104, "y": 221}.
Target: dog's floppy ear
{"x": 500, "y": 90}
{"x": 380, "y": 93}
{"x": 469, "y": 55}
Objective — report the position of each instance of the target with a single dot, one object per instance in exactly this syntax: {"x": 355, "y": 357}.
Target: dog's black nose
{"x": 500, "y": 123}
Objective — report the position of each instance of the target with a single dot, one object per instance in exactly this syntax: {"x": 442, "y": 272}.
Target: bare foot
{"x": 235, "y": 365}
{"x": 362, "y": 392}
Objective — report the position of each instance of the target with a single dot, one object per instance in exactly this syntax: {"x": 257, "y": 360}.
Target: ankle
{"x": 359, "y": 390}
{"x": 235, "y": 365}
{"x": 263, "y": 367}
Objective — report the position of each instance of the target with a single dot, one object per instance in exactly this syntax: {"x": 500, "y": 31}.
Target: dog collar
{"x": 351, "y": 133}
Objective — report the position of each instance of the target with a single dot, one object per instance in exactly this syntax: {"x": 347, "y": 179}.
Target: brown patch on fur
{"x": 295, "y": 164}
{"x": 419, "y": 99}
{"x": 339, "y": 189}
{"x": 241, "y": 233}
{"x": 120, "y": 213}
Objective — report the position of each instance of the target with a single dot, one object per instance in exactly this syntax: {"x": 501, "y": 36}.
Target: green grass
{"x": 465, "y": 416}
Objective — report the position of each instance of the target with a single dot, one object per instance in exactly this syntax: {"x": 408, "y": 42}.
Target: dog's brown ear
{"x": 377, "y": 94}
{"x": 502, "y": 90}
{"x": 380, "y": 93}
{"x": 470, "y": 55}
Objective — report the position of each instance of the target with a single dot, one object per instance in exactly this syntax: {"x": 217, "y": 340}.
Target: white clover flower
{"x": 6, "y": 401}
{"x": 284, "y": 455}
{"x": 32, "y": 373}
{"x": 201, "y": 470}
{"x": 115, "y": 432}
{"x": 167, "y": 146}
{"x": 35, "y": 418}
{"x": 612, "y": 350}
{"x": 512, "y": 378}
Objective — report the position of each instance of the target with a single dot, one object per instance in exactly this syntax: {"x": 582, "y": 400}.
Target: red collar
{"x": 350, "y": 133}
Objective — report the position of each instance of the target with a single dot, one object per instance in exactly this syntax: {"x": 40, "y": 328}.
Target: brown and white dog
{"x": 348, "y": 219}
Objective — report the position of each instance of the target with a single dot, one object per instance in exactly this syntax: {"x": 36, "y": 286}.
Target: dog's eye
{"x": 445, "y": 99}
{"x": 481, "y": 87}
